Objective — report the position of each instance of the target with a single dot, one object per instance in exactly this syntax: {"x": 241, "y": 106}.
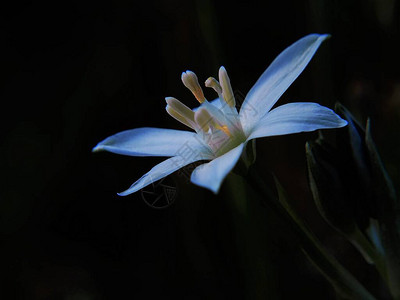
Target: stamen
{"x": 225, "y": 129}
{"x": 211, "y": 82}
{"x": 227, "y": 92}
{"x": 204, "y": 120}
{"x": 180, "y": 111}
{"x": 190, "y": 80}
{"x": 178, "y": 117}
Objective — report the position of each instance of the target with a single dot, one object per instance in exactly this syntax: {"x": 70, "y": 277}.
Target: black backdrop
{"x": 74, "y": 73}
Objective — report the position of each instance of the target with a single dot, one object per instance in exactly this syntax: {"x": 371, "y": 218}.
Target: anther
{"x": 178, "y": 117}
{"x": 190, "y": 80}
{"x": 211, "y": 82}
{"x": 225, "y": 129}
{"x": 180, "y": 111}
{"x": 204, "y": 120}
{"x": 227, "y": 92}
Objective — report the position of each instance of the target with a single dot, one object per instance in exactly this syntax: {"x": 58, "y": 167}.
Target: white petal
{"x": 160, "y": 171}
{"x": 215, "y": 102}
{"x": 151, "y": 142}
{"x": 296, "y": 117}
{"x": 277, "y": 78}
{"x": 210, "y": 175}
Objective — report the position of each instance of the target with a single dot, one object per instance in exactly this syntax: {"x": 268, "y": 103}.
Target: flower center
{"x": 218, "y": 126}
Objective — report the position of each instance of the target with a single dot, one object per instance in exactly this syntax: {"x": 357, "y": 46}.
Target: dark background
{"x": 74, "y": 73}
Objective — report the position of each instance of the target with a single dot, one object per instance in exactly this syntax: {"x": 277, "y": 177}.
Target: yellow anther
{"x": 204, "y": 120}
{"x": 190, "y": 80}
{"x": 211, "y": 82}
{"x": 180, "y": 111}
{"x": 227, "y": 92}
{"x": 225, "y": 129}
{"x": 178, "y": 117}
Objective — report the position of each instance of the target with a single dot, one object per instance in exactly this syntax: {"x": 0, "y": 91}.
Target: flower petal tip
{"x": 122, "y": 194}
{"x": 343, "y": 123}
{"x": 325, "y": 35}
{"x": 214, "y": 188}
{"x": 98, "y": 148}
{"x": 322, "y": 36}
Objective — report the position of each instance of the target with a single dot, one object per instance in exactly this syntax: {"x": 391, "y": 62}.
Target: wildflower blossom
{"x": 220, "y": 132}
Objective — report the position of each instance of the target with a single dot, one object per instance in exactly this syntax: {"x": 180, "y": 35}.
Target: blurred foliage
{"x": 355, "y": 195}
{"x": 74, "y": 73}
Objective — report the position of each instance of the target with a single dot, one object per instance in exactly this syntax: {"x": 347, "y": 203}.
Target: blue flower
{"x": 220, "y": 132}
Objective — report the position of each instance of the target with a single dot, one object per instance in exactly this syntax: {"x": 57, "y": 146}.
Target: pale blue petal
{"x": 152, "y": 142}
{"x": 160, "y": 171}
{"x": 277, "y": 78}
{"x": 296, "y": 117}
{"x": 215, "y": 102}
{"x": 210, "y": 175}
